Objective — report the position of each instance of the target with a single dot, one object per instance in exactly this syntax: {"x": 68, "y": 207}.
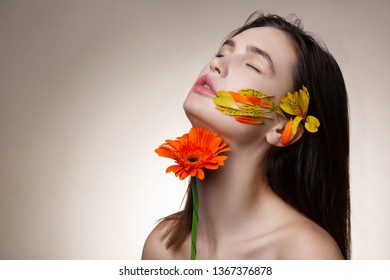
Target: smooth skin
{"x": 240, "y": 217}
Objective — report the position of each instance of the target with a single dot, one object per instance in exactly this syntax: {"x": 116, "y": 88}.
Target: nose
{"x": 218, "y": 65}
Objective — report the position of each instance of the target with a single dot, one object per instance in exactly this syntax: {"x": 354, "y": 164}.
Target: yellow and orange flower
{"x": 297, "y": 104}
{"x": 197, "y": 150}
{"x": 249, "y": 106}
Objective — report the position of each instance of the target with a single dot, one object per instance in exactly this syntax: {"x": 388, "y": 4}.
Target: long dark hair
{"x": 312, "y": 175}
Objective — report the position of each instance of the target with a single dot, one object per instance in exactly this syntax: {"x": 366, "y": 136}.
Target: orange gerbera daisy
{"x": 194, "y": 151}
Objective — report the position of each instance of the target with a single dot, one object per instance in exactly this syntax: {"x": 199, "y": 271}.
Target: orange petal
{"x": 193, "y": 172}
{"x": 248, "y": 120}
{"x": 174, "y": 144}
{"x": 262, "y": 102}
{"x": 221, "y": 159}
{"x": 182, "y": 175}
{"x": 254, "y": 100}
{"x": 200, "y": 174}
{"x": 211, "y": 166}
{"x": 287, "y": 133}
{"x": 163, "y": 151}
{"x": 174, "y": 168}
{"x": 239, "y": 98}
{"x": 225, "y": 150}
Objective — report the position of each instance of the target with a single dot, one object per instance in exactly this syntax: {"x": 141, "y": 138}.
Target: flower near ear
{"x": 197, "y": 150}
{"x": 297, "y": 104}
{"x": 249, "y": 106}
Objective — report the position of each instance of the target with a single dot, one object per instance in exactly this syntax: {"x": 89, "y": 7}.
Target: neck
{"x": 231, "y": 197}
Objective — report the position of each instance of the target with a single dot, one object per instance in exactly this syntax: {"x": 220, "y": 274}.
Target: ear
{"x": 274, "y": 135}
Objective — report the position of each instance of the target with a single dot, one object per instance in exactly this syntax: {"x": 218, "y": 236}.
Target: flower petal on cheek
{"x": 262, "y": 102}
{"x": 248, "y": 120}
{"x": 225, "y": 99}
{"x": 239, "y": 98}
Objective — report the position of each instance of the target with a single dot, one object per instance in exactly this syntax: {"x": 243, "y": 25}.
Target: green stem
{"x": 194, "y": 217}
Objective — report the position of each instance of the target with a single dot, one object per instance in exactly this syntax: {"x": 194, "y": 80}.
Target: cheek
{"x": 242, "y": 80}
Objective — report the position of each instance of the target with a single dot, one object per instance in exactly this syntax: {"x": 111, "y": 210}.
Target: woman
{"x": 270, "y": 200}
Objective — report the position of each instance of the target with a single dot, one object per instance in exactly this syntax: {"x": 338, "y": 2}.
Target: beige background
{"x": 90, "y": 88}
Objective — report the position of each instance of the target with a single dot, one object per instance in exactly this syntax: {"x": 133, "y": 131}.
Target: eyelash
{"x": 249, "y": 65}
{"x": 254, "y": 68}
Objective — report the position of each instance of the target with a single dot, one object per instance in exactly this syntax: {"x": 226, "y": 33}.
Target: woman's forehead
{"x": 266, "y": 37}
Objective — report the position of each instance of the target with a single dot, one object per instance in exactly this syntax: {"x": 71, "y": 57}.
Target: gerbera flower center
{"x": 195, "y": 155}
{"x": 193, "y": 158}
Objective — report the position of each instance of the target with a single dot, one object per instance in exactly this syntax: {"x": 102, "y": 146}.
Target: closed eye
{"x": 253, "y": 67}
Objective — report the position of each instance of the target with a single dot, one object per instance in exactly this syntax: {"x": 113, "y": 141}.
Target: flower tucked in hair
{"x": 296, "y": 104}
{"x": 194, "y": 151}
{"x": 249, "y": 106}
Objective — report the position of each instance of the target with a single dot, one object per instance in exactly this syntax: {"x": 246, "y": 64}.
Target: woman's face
{"x": 260, "y": 58}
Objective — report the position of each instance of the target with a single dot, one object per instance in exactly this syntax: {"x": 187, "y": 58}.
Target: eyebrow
{"x": 255, "y": 50}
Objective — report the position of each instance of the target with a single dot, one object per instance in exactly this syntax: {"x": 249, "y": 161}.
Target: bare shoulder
{"x": 155, "y": 247}
{"x": 306, "y": 240}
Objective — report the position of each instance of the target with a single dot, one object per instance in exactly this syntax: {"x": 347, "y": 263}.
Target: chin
{"x": 201, "y": 112}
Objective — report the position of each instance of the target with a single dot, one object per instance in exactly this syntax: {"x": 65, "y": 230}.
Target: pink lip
{"x": 205, "y": 85}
